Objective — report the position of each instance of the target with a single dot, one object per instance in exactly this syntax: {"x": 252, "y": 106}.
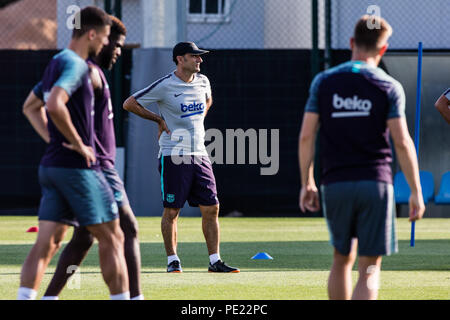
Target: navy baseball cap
{"x": 186, "y": 47}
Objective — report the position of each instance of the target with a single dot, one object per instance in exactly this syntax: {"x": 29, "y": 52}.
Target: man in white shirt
{"x": 184, "y": 97}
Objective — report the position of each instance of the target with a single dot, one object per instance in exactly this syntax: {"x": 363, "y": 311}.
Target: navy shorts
{"x": 116, "y": 184}
{"x": 78, "y": 197}
{"x": 192, "y": 180}
{"x": 364, "y": 210}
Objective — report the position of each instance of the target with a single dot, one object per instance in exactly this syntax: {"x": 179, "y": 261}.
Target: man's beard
{"x": 105, "y": 59}
{"x": 92, "y": 52}
{"x": 193, "y": 69}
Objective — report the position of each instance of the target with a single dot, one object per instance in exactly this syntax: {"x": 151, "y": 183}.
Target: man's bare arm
{"x": 306, "y": 147}
{"x": 58, "y": 112}
{"x": 442, "y": 105}
{"x": 309, "y": 198}
{"x": 33, "y": 109}
{"x": 131, "y": 105}
{"x": 209, "y": 103}
{"x": 406, "y": 154}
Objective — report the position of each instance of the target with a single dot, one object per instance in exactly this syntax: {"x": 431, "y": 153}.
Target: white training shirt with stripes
{"x": 183, "y": 107}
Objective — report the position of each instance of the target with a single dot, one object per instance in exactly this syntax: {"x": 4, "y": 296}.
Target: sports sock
{"x": 50, "y": 298}
{"x": 172, "y": 258}
{"x": 214, "y": 258}
{"x": 26, "y": 294}
{"x": 121, "y": 296}
{"x": 139, "y": 297}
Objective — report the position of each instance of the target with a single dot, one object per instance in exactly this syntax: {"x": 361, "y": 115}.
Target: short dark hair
{"x": 370, "y": 32}
{"x": 117, "y": 27}
{"x": 90, "y": 18}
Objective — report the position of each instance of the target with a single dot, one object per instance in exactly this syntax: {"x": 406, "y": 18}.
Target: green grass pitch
{"x": 299, "y": 270}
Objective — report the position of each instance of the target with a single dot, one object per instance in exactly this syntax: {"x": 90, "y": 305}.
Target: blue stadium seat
{"x": 443, "y": 197}
{"x": 402, "y": 190}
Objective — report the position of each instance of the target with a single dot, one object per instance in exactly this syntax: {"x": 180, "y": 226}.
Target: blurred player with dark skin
{"x": 184, "y": 98}
{"x": 443, "y": 105}
{"x": 75, "y": 192}
{"x": 357, "y": 105}
{"x": 75, "y": 251}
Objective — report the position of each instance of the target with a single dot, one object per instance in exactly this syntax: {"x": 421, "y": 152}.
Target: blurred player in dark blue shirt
{"x": 357, "y": 105}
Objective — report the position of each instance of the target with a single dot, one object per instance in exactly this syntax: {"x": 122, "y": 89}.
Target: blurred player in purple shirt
{"x": 75, "y": 191}
{"x": 105, "y": 144}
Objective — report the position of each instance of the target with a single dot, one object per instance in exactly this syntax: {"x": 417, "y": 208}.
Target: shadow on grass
{"x": 428, "y": 255}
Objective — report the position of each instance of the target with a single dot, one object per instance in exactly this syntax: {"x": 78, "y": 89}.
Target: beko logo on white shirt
{"x": 194, "y": 109}
{"x": 351, "y": 107}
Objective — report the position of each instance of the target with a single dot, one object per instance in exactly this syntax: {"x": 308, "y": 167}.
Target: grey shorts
{"x": 364, "y": 210}
{"x": 116, "y": 184}
{"x": 78, "y": 197}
